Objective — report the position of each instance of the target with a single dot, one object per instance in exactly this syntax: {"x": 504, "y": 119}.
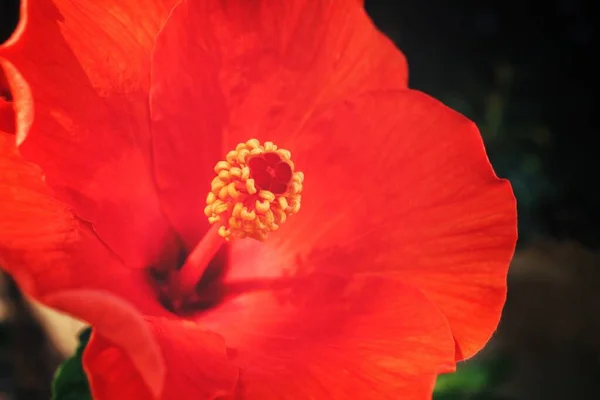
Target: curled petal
{"x": 134, "y": 357}
{"x": 195, "y": 365}
{"x": 119, "y": 323}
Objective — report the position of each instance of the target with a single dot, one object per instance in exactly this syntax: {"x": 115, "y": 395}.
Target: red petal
{"x": 48, "y": 249}
{"x": 85, "y": 76}
{"x": 122, "y": 325}
{"x": 195, "y": 363}
{"x": 326, "y": 336}
{"x": 247, "y": 68}
{"x": 403, "y": 183}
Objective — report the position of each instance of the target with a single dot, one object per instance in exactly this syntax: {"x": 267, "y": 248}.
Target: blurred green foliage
{"x": 476, "y": 379}
{"x": 70, "y": 382}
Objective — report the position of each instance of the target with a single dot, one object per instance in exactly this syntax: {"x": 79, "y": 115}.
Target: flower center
{"x": 256, "y": 189}
{"x": 254, "y": 192}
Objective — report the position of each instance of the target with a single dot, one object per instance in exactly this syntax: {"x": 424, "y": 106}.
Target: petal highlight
{"x": 403, "y": 183}
{"x": 225, "y": 70}
{"x": 46, "y": 248}
{"x": 83, "y": 69}
{"x": 327, "y": 336}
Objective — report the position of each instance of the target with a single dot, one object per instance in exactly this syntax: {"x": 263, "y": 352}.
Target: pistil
{"x": 254, "y": 192}
{"x": 195, "y": 265}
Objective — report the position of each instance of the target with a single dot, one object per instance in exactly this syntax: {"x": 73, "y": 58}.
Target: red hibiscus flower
{"x": 392, "y": 270}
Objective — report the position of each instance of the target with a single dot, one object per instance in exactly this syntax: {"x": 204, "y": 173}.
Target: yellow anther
{"x": 232, "y": 191}
{"x": 280, "y": 216}
{"x": 210, "y": 198}
{"x": 247, "y": 215}
{"x": 224, "y": 174}
{"x": 257, "y": 151}
{"x": 269, "y": 146}
{"x": 269, "y": 217}
{"x": 222, "y": 165}
{"x": 266, "y": 195}
{"x": 282, "y": 203}
{"x": 242, "y": 155}
{"x": 216, "y": 184}
{"x": 219, "y": 207}
{"x": 223, "y": 193}
{"x": 250, "y": 186}
{"x": 295, "y": 208}
{"x": 234, "y": 222}
{"x": 259, "y": 225}
{"x": 252, "y": 144}
{"x": 285, "y": 155}
{"x": 262, "y": 206}
{"x": 241, "y": 198}
{"x": 237, "y": 172}
{"x": 223, "y": 232}
{"x": 231, "y": 156}
{"x": 245, "y": 173}
{"x": 237, "y": 209}
{"x": 296, "y": 187}
{"x": 240, "y": 147}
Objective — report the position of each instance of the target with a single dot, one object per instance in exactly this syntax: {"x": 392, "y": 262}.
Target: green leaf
{"x": 474, "y": 379}
{"x": 468, "y": 378}
{"x": 70, "y": 382}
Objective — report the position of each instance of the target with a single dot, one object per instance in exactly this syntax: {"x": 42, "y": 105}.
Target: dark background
{"x": 523, "y": 70}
